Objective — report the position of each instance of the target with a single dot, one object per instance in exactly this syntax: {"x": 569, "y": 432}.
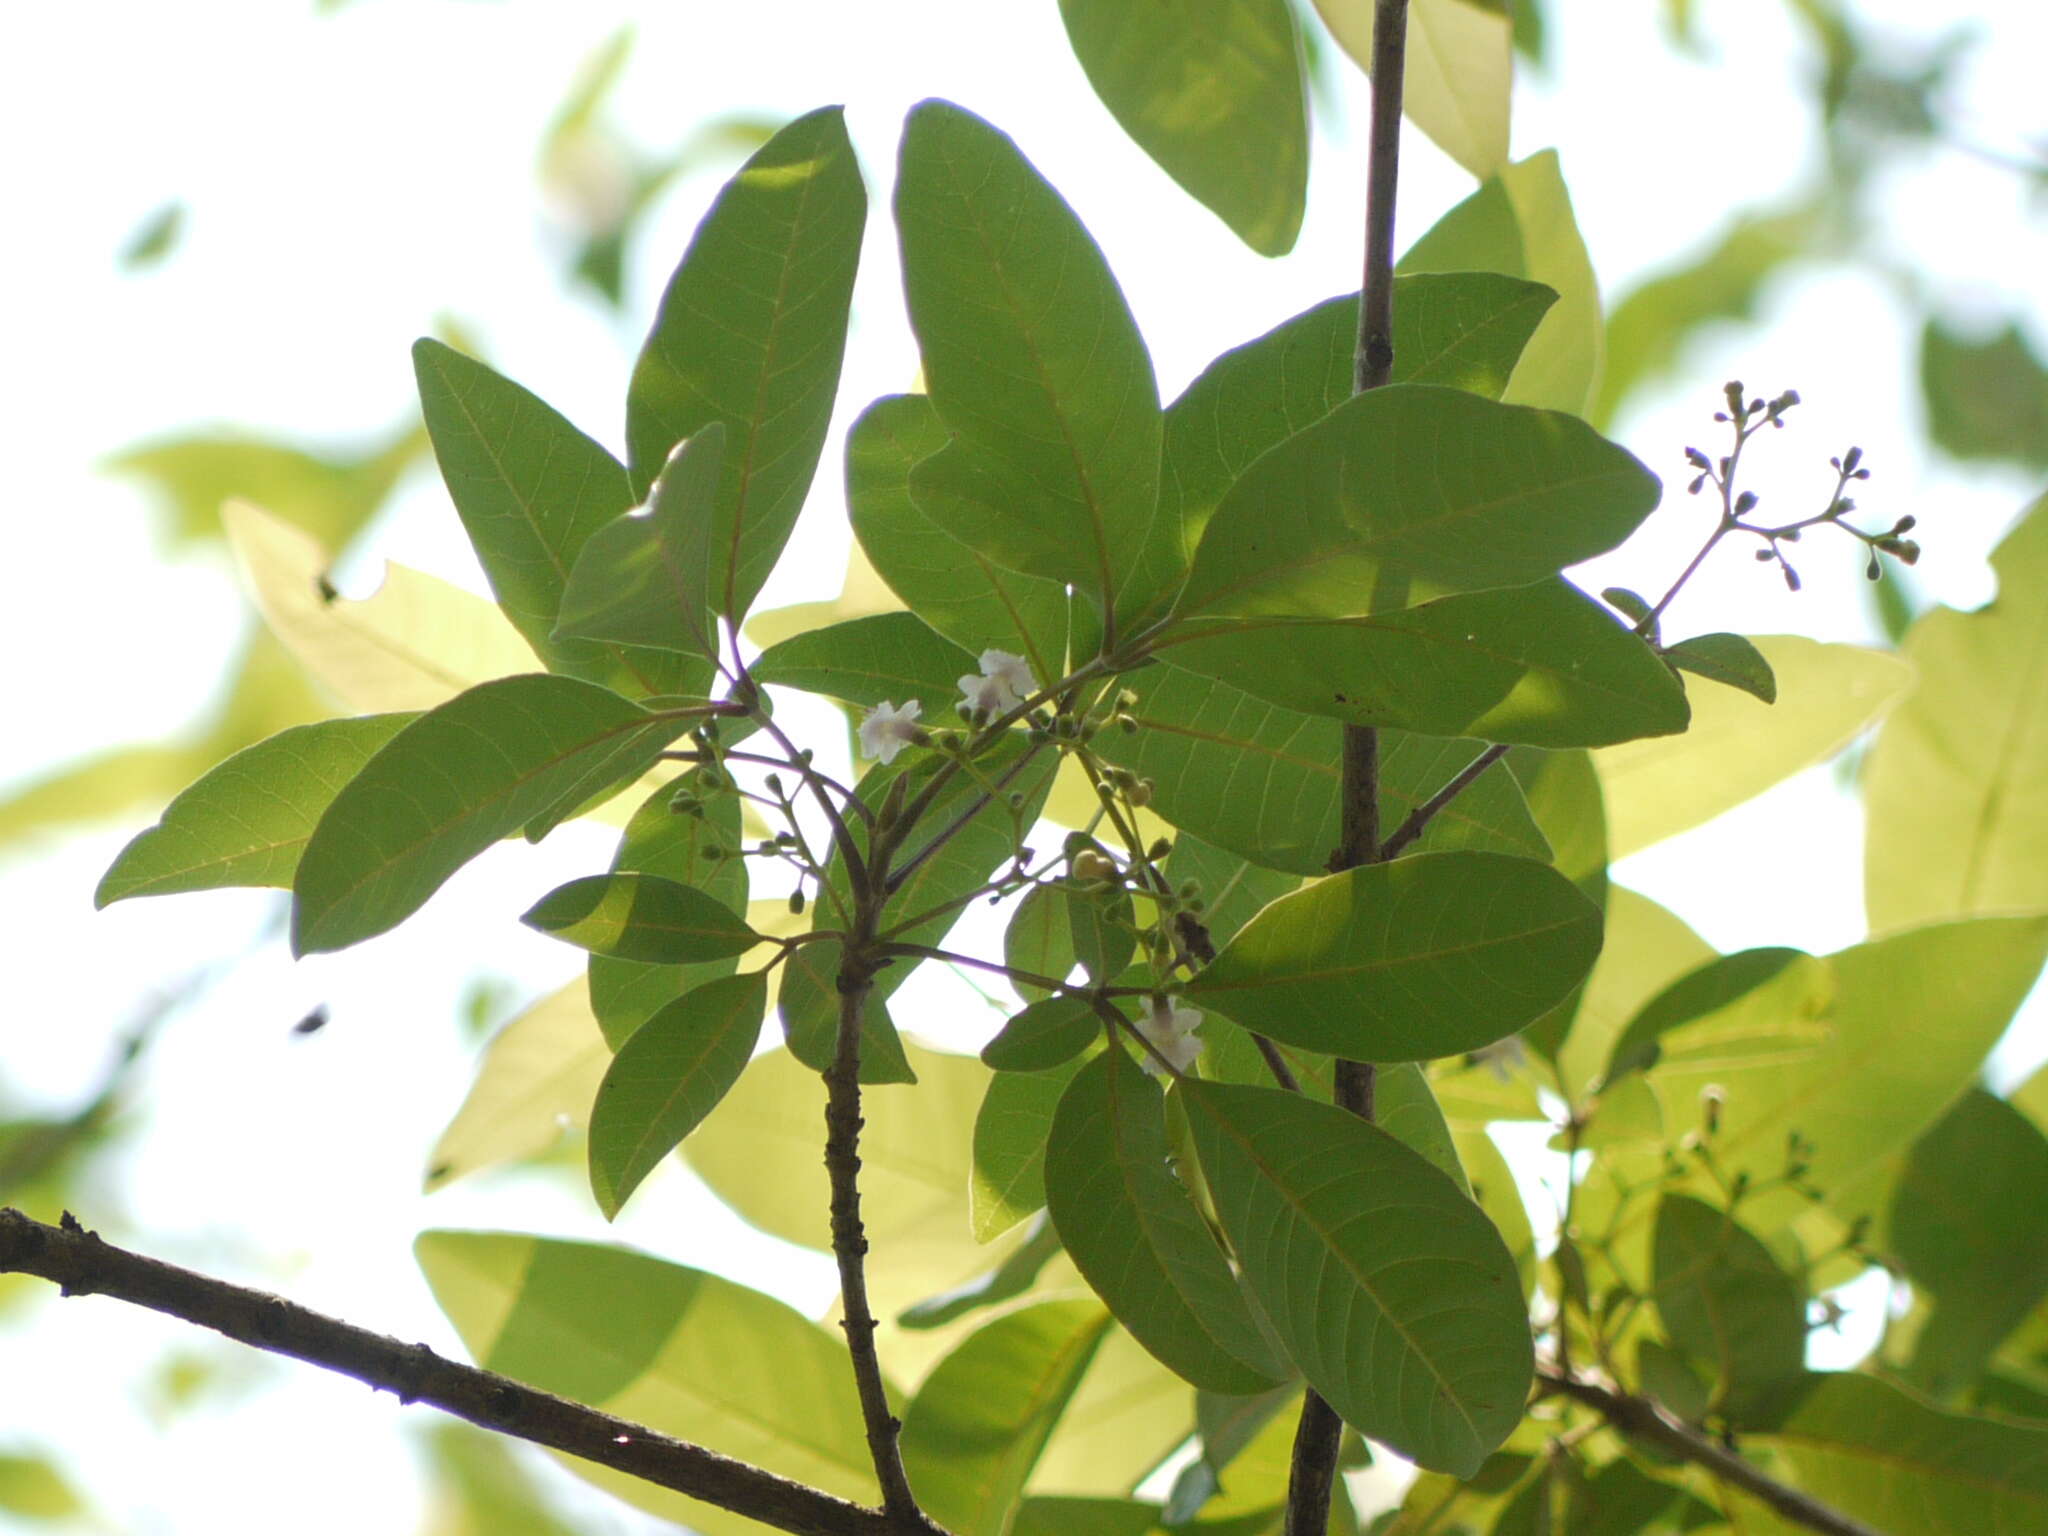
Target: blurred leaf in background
{"x": 1985, "y": 399}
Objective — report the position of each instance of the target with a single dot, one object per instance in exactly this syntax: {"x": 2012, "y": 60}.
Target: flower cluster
{"x": 1171, "y": 1030}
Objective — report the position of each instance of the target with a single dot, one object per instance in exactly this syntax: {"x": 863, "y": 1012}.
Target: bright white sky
{"x": 351, "y": 178}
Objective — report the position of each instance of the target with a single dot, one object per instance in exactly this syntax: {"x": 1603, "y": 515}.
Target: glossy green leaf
{"x": 1727, "y": 1305}
{"x": 1736, "y": 1010}
{"x": 667, "y": 1078}
{"x": 641, "y": 917}
{"x": 1953, "y": 1227}
{"x": 1460, "y": 329}
{"x": 448, "y": 786}
{"x": 978, "y": 1424}
{"x": 659, "y": 840}
{"x": 751, "y": 333}
{"x": 1957, "y": 782}
{"x": 1133, "y": 1231}
{"x": 1212, "y": 91}
{"x": 1414, "y": 491}
{"x": 1726, "y": 659}
{"x": 246, "y": 821}
{"x": 531, "y": 490}
{"x": 1520, "y": 222}
{"x": 964, "y": 595}
{"x": 1540, "y": 664}
{"x": 1391, "y": 1290}
{"x": 1044, "y": 1035}
{"x": 1035, "y": 366}
{"x": 649, "y": 579}
{"x": 1457, "y": 72}
{"x": 1010, "y": 1135}
{"x": 1868, "y": 1449}
{"x": 1261, "y": 780}
{"x": 1736, "y": 746}
{"x": 893, "y": 657}
{"x": 1860, "y": 1098}
{"x": 685, "y": 1352}
{"x": 1419, "y": 958}
{"x": 809, "y": 999}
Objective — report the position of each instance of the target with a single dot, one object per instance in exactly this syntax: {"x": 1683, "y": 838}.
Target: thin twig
{"x": 1644, "y": 1419}
{"x": 1418, "y": 820}
{"x": 1319, "y": 1438}
{"x": 850, "y": 1243}
{"x": 82, "y": 1265}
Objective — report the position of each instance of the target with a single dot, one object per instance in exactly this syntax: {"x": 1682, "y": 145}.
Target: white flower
{"x": 1005, "y": 682}
{"x": 1172, "y": 1030}
{"x": 887, "y": 730}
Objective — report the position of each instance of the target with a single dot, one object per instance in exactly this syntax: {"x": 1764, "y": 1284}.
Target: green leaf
{"x": 649, "y": 579}
{"x": 1867, "y": 1449}
{"x": 1540, "y": 664}
{"x": 1044, "y": 1035}
{"x": 1035, "y": 366}
{"x": 1461, "y": 329}
{"x": 1985, "y": 399}
{"x": 31, "y": 1488}
{"x": 1406, "y": 1109}
{"x": 685, "y": 1352}
{"x": 1858, "y": 1098}
{"x": 1390, "y": 1289}
{"x": 1735, "y": 1010}
{"x": 531, "y": 490}
{"x": 1015, "y": 1274}
{"x": 1726, "y": 1304}
{"x": 980, "y": 1421}
{"x": 1039, "y": 939}
{"x": 1414, "y": 491}
{"x": 1419, "y": 958}
{"x": 751, "y": 333}
{"x": 1520, "y": 222}
{"x": 667, "y": 1078}
{"x": 1645, "y": 949}
{"x": 1737, "y": 747}
{"x": 1957, "y": 783}
{"x": 1262, "y": 781}
{"x": 641, "y": 917}
{"x": 1212, "y": 91}
{"x": 538, "y": 1075}
{"x": 1457, "y": 72}
{"x": 1133, "y": 1231}
{"x": 1563, "y": 795}
{"x": 1010, "y": 1135}
{"x": 963, "y": 595}
{"x": 886, "y": 657}
{"x": 1726, "y": 659}
{"x": 1952, "y": 1226}
{"x": 448, "y": 786}
{"x": 1105, "y": 931}
{"x": 1233, "y": 889}
{"x": 246, "y": 821}
{"x": 660, "y": 841}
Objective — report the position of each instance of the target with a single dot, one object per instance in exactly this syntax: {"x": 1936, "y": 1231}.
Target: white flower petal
{"x": 1011, "y": 673}
{"x": 888, "y": 729}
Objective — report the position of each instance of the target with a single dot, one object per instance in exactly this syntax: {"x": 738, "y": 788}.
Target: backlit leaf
{"x": 1044, "y": 1035}
{"x": 667, "y": 1078}
{"x": 1133, "y": 1231}
{"x": 1212, "y": 91}
{"x": 1727, "y": 1305}
{"x": 1390, "y": 1289}
{"x": 1726, "y": 659}
{"x": 246, "y": 822}
{"x": 538, "y": 1074}
{"x": 751, "y": 333}
{"x": 1457, "y": 75}
{"x": 893, "y": 657}
{"x": 449, "y": 785}
{"x": 1409, "y": 492}
{"x": 1010, "y": 1135}
{"x": 1419, "y": 958}
{"x": 641, "y": 917}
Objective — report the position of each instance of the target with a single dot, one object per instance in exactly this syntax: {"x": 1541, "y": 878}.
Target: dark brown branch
{"x": 82, "y": 1265}
{"x": 1644, "y": 1419}
{"x": 1319, "y": 1438}
{"x": 1418, "y": 820}
{"x": 850, "y": 1243}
